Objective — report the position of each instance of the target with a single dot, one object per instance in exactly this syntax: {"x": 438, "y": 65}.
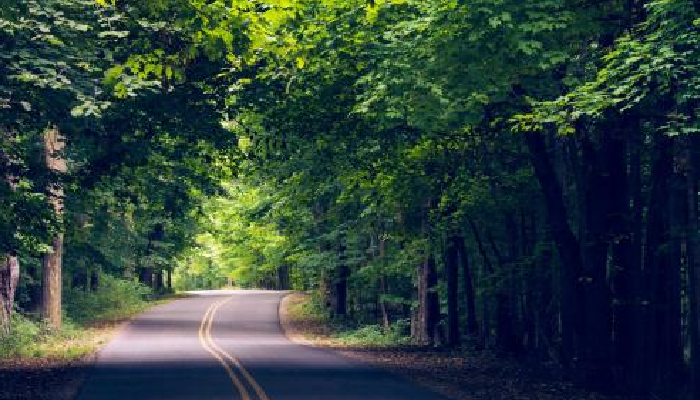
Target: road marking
{"x": 209, "y": 315}
{"x": 210, "y": 345}
{"x": 260, "y": 392}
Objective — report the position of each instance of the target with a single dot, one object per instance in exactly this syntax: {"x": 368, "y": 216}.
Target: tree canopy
{"x": 520, "y": 175}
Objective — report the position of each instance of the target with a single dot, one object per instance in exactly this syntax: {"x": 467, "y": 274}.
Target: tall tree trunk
{"x": 95, "y": 279}
{"x": 469, "y": 294}
{"x": 428, "y": 313}
{"x": 514, "y": 322}
{"x": 657, "y": 246}
{"x": 9, "y": 278}
{"x": 505, "y": 326}
{"x": 547, "y": 321}
{"x": 429, "y": 308}
{"x": 452, "y": 277}
{"x": 146, "y": 276}
{"x": 529, "y": 296}
{"x": 51, "y": 283}
{"x": 383, "y": 286}
{"x": 487, "y": 273}
{"x": 693, "y": 257}
{"x": 326, "y": 287}
{"x": 158, "y": 283}
{"x": 670, "y": 369}
{"x": 625, "y": 271}
{"x": 341, "y": 281}
{"x": 596, "y": 319}
{"x": 638, "y": 340}
{"x": 567, "y": 244}
{"x": 283, "y": 277}
{"x": 341, "y": 291}
{"x": 9, "y": 267}
{"x": 51, "y": 301}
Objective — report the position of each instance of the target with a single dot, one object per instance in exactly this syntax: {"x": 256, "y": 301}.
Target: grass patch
{"x": 32, "y": 338}
{"x": 375, "y": 336}
{"x": 89, "y": 319}
{"x": 312, "y": 322}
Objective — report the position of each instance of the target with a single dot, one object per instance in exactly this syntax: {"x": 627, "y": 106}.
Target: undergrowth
{"x": 85, "y": 318}
{"x": 347, "y": 332}
{"x": 115, "y": 299}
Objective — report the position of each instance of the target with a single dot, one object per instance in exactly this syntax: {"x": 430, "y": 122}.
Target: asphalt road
{"x": 221, "y": 345}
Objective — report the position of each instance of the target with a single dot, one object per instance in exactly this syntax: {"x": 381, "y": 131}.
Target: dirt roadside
{"x": 456, "y": 374}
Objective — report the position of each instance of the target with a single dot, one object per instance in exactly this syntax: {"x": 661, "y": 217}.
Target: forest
{"x": 514, "y": 175}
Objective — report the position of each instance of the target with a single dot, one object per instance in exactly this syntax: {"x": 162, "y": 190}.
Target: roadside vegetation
{"x": 305, "y": 317}
{"x": 518, "y": 177}
{"x": 457, "y": 373}
{"x": 90, "y": 318}
{"x": 41, "y": 362}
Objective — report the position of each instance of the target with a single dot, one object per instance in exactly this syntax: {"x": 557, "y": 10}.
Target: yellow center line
{"x": 260, "y": 392}
{"x": 204, "y": 336}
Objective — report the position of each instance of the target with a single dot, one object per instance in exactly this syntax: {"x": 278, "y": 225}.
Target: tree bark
{"x": 595, "y": 297}
{"x": 693, "y": 261}
{"x": 146, "y": 276}
{"x": 95, "y": 279}
{"x": 625, "y": 269}
{"x": 283, "y": 277}
{"x": 546, "y": 321}
{"x": 158, "y": 283}
{"x": 487, "y": 273}
{"x": 9, "y": 278}
{"x": 670, "y": 369}
{"x": 505, "y": 329}
{"x": 429, "y": 315}
{"x": 638, "y": 313}
{"x": 657, "y": 249}
{"x": 566, "y": 242}
{"x": 469, "y": 294}
{"x": 341, "y": 281}
{"x": 51, "y": 283}
{"x": 452, "y": 277}
{"x": 51, "y": 301}
{"x": 9, "y": 269}
{"x": 383, "y": 287}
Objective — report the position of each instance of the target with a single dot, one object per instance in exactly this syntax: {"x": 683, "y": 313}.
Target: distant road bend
{"x": 224, "y": 345}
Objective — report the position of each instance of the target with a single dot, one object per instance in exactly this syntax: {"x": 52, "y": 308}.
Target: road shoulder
{"x": 455, "y": 374}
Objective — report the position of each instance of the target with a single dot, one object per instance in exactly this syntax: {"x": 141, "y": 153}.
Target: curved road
{"x": 228, "y": 345}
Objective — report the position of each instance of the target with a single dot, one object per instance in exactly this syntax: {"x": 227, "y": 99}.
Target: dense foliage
{"x": 517, "y": 175}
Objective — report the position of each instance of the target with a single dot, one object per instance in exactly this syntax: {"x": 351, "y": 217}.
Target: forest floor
{"x": 59, "y": 368}
{"x": 456, "y": 374}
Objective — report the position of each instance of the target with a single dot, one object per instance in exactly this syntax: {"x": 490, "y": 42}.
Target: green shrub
{"x": 315, "y": 310}
{"x": 23, "y": 334}
{"x": 374, "y": 336}
{"x": 31, "y": 337}
{"x": 349, "y": 332}
{"x": 113, "y": 300}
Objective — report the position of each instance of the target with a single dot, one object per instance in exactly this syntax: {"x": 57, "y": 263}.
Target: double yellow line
{"x": 230, "y": 363}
